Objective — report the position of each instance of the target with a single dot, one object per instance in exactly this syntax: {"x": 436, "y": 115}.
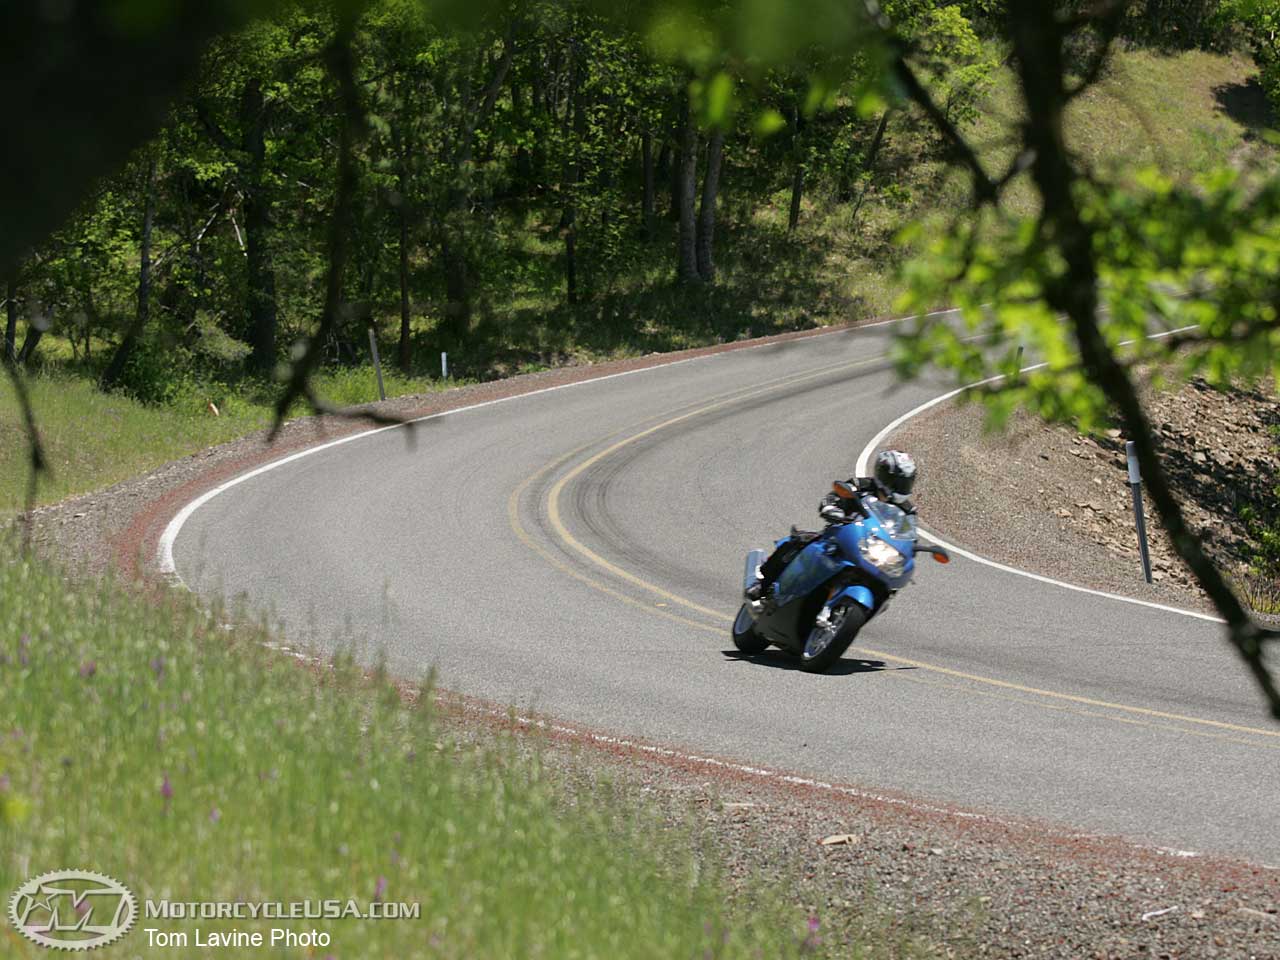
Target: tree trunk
{"x": 797, "y": 170}
{"x": 30, "y": 342}
{"x": 707, "y": 212}
{"x": 688, "y": 168}
{"x": 404, "y": 146}
{"x": 524, "y": 159}
{"x": 120, "y": 359}
{"x": 1074, "y": 291}
{"x": 869, "y": 166}
{"x": 797, "y": 192}
{"x": 404, "y": 357}
{"x": 674, "y": 167}
{"x": 571, "y": 172}
{"x": 458, "y": 306}
{"x": 646, "y": 165}
{"x": 11, "y": 320}
{"x": 257, "y": 224}
{"x": 453, "y": 247}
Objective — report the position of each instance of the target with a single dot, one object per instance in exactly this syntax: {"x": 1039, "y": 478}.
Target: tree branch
{"x": 985, "y": 190}
{"x": 340, "y": 60}
{"x": 35, "y": 450}
{"x": 1074, "y": 292}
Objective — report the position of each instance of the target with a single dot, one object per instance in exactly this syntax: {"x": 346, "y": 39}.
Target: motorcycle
{"x": 834, "y": 584}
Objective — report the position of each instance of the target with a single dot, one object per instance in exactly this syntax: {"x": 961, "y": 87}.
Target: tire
{"x": 745, "y": 637}
{"x": 847, "y": 618}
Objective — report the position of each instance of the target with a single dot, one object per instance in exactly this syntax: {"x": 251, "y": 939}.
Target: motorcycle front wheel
{"x": 828, "y": 641}
{"x": 745, "y": 637}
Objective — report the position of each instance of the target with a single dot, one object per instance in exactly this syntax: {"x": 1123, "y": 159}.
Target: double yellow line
{"x": 1002, "y": 689}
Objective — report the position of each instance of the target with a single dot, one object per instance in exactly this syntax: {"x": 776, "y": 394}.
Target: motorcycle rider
{"x": 891, "y": 482}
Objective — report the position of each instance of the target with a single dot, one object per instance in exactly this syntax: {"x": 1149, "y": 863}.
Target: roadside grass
{"x": 192, "y": 763}
{"x": 93, "y": 439}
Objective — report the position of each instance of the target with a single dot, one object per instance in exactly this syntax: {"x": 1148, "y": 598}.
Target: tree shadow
{"x": 767, "y": 283}
{"x": 1245, "y": 103}
{"x": 779, "y": 660}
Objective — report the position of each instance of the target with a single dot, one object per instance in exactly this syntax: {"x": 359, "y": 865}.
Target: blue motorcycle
{"x": 839, "y": 580}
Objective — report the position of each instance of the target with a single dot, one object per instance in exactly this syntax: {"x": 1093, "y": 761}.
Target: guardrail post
{"x": 1135, "y": 484}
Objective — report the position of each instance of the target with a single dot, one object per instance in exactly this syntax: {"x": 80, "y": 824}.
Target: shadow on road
{"x": 783, "y": 661}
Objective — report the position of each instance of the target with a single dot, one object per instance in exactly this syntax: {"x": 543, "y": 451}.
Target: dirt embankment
{"x": 1048, "y": 499}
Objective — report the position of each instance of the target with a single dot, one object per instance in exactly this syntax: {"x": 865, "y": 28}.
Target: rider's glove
{"x": 829, "y": 511}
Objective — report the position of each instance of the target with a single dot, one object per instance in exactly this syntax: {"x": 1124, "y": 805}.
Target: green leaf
{"x": 769, "y": 122}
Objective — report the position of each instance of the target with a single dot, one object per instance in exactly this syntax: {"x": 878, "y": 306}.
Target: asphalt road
{"x": 579, "y": 552}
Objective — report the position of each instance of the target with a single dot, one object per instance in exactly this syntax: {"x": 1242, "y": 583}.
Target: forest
{"x": 547, "y": 185}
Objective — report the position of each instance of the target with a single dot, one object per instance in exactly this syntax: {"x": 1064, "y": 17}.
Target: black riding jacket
{"x": 835, "y": 507}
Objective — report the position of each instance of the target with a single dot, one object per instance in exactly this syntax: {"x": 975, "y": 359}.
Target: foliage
{"x": 1259, "y": 21}
{"x": 1200, "y": 257}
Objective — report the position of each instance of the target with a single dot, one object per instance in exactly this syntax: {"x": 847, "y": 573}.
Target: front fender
{"x": 859, "y": 594}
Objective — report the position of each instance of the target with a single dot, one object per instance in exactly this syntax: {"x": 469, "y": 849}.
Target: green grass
{"x": 93, "y": 439}
{"x": 190, "y": 762}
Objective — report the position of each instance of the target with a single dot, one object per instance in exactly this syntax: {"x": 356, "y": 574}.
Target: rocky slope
{"x": 1049, "y": 499}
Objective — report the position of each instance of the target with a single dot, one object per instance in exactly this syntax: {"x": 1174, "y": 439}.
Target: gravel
{"x": 901, "y": 878}
{"x": 1047, "y": 499}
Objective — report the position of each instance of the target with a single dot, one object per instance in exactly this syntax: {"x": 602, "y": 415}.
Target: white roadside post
{"x": 1135, "y": 484}
{"x": 444, "y": 365}
{"x": 377, "y": 363}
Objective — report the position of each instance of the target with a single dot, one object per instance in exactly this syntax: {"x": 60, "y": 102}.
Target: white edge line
{"x": 164, "y": 549}
{"x": 864, "y": 459}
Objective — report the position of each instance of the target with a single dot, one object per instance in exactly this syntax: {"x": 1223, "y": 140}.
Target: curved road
{"x": 579, "y": 551}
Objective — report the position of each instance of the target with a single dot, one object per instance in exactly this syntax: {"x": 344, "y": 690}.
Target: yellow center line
{"x": 517, "y": 526}
{"x": 553, "y": 498}
{"x": 1080, "y": 711}
{"x": 558, "y": 526}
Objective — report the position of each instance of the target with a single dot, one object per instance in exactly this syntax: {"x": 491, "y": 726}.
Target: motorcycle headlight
{"x": 883, "y": 557}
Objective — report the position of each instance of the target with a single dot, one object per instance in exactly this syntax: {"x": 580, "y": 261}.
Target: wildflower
{"x": 215, "y": 815}
{"x": 157, "y": 667}
{"x": 812, "y": 940}
{"x": 380, "y": 889}
{"x": 88, "y": 669}
{"x": 166, "y": 791}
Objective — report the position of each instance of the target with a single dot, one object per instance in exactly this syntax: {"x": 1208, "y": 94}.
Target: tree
{"x": 687, "y": 255}
{"x": 1095, "y": 245}
{"x": 707, "y": 209}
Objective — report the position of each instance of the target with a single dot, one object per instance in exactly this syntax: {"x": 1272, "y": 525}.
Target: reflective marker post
{"x": 377, "y": 363}
{"x": 1135, "y": 484}
{"x": 444, "y": 365}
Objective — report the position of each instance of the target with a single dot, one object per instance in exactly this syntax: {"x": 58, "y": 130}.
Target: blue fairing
{"x": 858, "y": 594}
{"x": 811, "y": 568}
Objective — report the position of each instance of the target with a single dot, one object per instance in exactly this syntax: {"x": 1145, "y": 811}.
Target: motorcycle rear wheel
{"x": 825, "y": 645}
{"x": 745, "y": 637}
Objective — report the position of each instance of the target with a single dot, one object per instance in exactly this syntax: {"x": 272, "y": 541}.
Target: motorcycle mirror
{"x": 843, "y": 490}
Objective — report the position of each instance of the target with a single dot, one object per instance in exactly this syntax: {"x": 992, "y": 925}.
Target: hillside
{"x": 834, "y": 268}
